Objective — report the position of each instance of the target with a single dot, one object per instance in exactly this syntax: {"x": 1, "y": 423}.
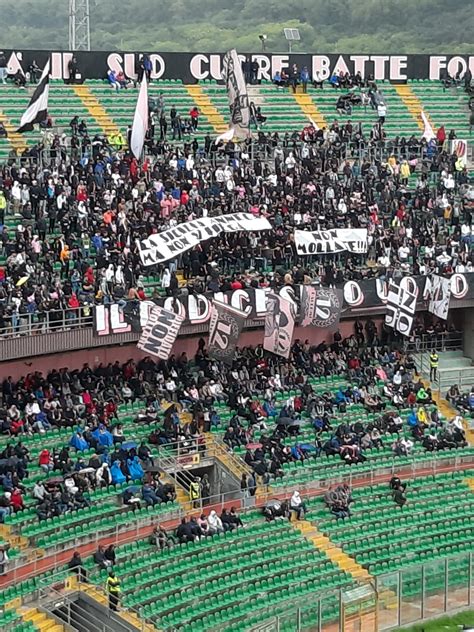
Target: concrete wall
{"x": 468, "y": 332}
{"x": 97, "y": 355}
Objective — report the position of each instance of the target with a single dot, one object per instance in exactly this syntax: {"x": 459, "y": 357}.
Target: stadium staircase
{"x": 235, "y": 465}
{"x": 41, "y": 620}
{"x": 310, "y": 110}
{"x": 346, "y": 563}
{"x": 96, "y": 110}
{"x": 16, "y": 141}
{"x": 207, "y": 108}
{"x": 413, "y": 104}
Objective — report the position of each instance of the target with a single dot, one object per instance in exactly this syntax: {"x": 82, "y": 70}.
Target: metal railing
{"x": 445, "y": 341}
{"x": 58, "y": 591}
{"x": 426, "y": 590}
{"x": 401, "y": 598}
{"x": 52, "y": 321}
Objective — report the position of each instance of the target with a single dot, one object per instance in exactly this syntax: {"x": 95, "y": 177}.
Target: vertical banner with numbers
{"x": 279, "y": 325}
{"x": 401, "y": 307}
{"x": 320, "y": 306}
{"x": 225, "y": 327}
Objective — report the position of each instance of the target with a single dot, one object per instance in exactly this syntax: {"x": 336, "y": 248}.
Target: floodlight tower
{"x": 79, "y": 31}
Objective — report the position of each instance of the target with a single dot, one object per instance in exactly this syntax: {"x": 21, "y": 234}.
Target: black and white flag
{"x": 279, "y": 325}
{"x": 237, "y": 94}
{"x": 160, "y": 332}
{"x": 225, "y": 327}
{"x": 401, "y": 307}
{"x": 320, "y": 306}
{"x": 440, "y": 295}
{"x": 37, "y": 110}
{"x": 171, "y": 243}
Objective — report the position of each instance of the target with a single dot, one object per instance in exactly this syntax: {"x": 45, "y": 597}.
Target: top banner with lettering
{"x": 358, "y": 297}
{"x": 173, "y": 242}
{"x": 331, "y": 241}
{"x": 194, "y": 67}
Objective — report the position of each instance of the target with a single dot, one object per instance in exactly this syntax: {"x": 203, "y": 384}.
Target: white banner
{"x": 440, "y": 296}
{"x": 173, "y": 242}
{"x": 401, "y": 307}
{"x": 459, "y": 147}
{"x": 140, "y": 121}
{"x": 237, "y": 94}
{"x": 331, "y": 241}
{"x": 160, "y": 332}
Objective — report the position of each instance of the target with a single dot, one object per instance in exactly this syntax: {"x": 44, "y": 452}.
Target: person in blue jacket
{"x": 103, "y": 436}
{"x": 135, "y": 469}
{"x": 78, "y": 442}
{"x": 304, "y": 78}
{"x": 149, "y": 495}
{"x": 116, "y": 474}
{"x": 412, "y": 418}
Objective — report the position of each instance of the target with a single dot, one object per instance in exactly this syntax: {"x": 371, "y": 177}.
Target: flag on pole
{"x": 237, "y": 94}
{"x": 37, "y": 109}
{"x": 225, "y": 136}
{"x": 140, "y": 121}
{"x": 313, "y": 123}
{"x": 428, "y": 132}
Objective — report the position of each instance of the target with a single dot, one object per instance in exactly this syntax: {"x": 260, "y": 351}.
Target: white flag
{"x": 140, "y": 121}
{"x": 225, "y": 136}
{"x": 428, "y": 132}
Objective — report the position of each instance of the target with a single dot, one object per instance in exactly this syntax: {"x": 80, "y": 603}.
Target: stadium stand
{"x": 105, "y": 111}
{"x": 82, "y": 451}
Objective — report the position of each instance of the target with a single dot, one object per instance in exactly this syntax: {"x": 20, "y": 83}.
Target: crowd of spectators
{"x": 381, "y": 380}
{"x": 77, "y": 216}
{"x": 462, "y": 400}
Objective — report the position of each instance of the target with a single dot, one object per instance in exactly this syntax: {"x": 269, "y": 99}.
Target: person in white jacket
{"x": 297, "y": 504}
{"x": 215, "y": 523}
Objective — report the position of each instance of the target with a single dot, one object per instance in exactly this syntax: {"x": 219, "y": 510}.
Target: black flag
{"x": 224, "y": 331}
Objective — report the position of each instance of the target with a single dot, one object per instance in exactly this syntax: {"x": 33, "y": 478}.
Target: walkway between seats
{"x": 345, "y": 562}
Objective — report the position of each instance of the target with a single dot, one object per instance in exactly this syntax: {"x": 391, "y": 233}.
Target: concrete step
{"x": 454, "y": 363}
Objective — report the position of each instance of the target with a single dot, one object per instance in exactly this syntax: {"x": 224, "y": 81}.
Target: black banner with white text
{"x": 195, "y": 309}
{"x": 194, "y": 67}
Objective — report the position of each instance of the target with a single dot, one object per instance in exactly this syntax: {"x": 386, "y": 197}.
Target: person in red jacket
{"x": 194, "y": 114}
{"x": 17, "y": 500}
{"x": 441, "y": 136}
{"x": 45, "y": 462}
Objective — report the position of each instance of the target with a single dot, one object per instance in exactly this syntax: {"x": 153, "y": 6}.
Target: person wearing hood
{"x": 102, "y": 475}
{"x": 116, "y": 474}
{"x": 78, "y": 442}
{"x": 297, "y": 505}
{"x": 103, "y": 436}
{"x": 215, "y": 523}
{"x": 135, "y": 468}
